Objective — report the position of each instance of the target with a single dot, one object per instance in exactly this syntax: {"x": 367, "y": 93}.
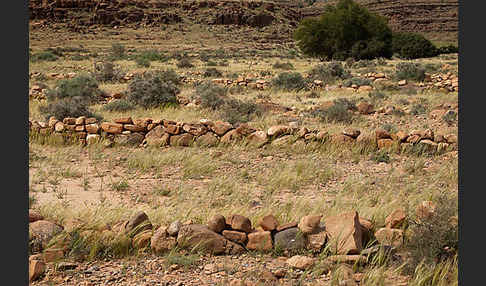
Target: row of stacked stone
{"x": 345, "y": 234}
{"x": 161, "y": 132}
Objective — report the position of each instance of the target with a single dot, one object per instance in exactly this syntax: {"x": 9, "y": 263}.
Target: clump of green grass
{"x": 174, "y": 257}
{"x": 380, "y": 156}
{"x": 120, "y": 186}
{"x": 450, "y": 117}
{"x": 418, "y": 109}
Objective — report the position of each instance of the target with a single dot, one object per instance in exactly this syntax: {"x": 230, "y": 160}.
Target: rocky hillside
{"x": 427, "y": 16}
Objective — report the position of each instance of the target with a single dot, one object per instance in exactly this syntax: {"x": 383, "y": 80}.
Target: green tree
{"x": 345, "y": 30}
{"x": 413, "y": 46}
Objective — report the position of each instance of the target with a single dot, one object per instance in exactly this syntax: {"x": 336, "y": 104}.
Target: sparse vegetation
{"x": 94, "y": 189}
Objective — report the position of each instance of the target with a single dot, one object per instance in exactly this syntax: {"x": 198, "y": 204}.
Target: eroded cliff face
{"x": 426, "y": 16}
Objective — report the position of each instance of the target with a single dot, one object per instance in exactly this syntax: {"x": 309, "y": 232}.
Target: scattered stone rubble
{"x": 145, "y": 132}
{"x": 444, "y": 82}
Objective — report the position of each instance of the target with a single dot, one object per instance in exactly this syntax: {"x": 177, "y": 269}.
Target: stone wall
{"x": 143, "y": 132}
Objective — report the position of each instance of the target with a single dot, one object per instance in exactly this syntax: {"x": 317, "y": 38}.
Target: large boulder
{"x": 36, "y": 269}
{"x": 200, "y": 236}
{"x": 345, "y": 233}
{"x": 269, "y": 223}
{"x": 389, "y": 236}
{"x": 34, "y": 216}
{"x": 132, "y": 139}
{"x": 260, "y": 240}
{"x": 291, "y": 239}
{"x": 239, "y": 222}
{"x": 161, "y": 242}
{"x": 217, "y": 223}
{"x": 138, "y": 223}
{"x": 157, "y": 137}
{"x": 396, "y": 218}
{"x": 207, "y": 140}
{"x": 185, "y": 139}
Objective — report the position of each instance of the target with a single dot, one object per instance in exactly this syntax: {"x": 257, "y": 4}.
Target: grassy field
{"x": 86, "y": 188}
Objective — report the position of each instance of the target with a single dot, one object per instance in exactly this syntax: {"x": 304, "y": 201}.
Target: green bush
{"x": 377, "y": 95}
{"x": 152, "y": 56}
{"x": 329, "y": 72}
{"x": 238, "y": 111}
{"x": 338, "y": 112}
{"x": 142, "y": 62}
{"x": 119, "y": 105}
{"x": 215, "y": 97}
{"x": 67, "y": 107}
{"x": 211, "y": 95}
{"x": 184, "y": 63}
{"x": 418, "y": 109}
{"x": 409, "y": 71}
{"x": 82, "y": 87}
{"x": 345, "y": 30}
{"x": 71, "y": 98}
{"x": 450, "y": 49}
{"x": 283, "y": 66}
{"x": 44, "y": 56}
{"x": 413, "y": 46}
{"x": 152, "y": 90}
{"x": 211, "y": 64}
{"x": 117, "y": 52}
{"x": 212, "y": 72}
{"x": 450, "y": 117}
{"x": 289, "y": 81}
{"x": 170, "y": 75}
{"x": 357, "y": 81}
{"x": 79, "y": 57}
{"x": 107, "y": 71}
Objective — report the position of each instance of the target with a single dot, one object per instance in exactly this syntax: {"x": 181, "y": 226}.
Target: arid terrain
{"x": 118, "y": 195}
